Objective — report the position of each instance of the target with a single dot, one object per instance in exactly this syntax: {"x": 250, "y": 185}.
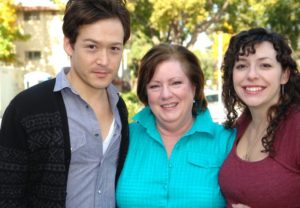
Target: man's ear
{"x": 285, "y": 76}
{"x": 68, "y": 46}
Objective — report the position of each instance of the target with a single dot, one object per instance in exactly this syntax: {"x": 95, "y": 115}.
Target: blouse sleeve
{"x": 287, "y": 141}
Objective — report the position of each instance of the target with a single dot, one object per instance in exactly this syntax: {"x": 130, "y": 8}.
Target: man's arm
{"x": 13, "y": 161}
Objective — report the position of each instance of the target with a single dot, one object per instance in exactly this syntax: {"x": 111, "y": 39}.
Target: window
{"x": 211, "y": 95}
{"x": 31, "y": 16}
{"x": 212, "y": 98}
{"x": 33, "y": 55}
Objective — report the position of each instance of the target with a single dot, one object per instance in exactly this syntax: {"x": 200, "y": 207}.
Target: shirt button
{"x": 96, "y": 135}
{"x": 86, "y": 106}
{"x": 99, "y": 192}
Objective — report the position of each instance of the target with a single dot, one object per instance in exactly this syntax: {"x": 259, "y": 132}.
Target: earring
{"x": 282, "y": 89}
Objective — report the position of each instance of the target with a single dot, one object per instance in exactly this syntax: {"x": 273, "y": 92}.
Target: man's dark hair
{"x": 83, "y": 12}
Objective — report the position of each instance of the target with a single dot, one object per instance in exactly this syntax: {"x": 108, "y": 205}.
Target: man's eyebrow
{"x": 98, "y": 42}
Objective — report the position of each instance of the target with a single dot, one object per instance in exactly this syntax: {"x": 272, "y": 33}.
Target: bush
{"x": 133, "y": 104}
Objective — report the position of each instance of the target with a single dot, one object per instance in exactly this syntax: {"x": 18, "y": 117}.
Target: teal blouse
{"x": 189, "y": 178}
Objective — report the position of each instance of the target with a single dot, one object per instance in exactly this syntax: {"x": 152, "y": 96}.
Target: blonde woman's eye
{"x": 240, "y": 66}
{"x": 177, "y": 83}
{"x": 153, "y": 86}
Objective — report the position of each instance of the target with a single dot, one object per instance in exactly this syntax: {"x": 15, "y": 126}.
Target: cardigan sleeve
{"x": 13, "y": 160}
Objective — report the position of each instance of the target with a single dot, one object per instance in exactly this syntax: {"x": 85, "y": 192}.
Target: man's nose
{"x": 102, "y": 57}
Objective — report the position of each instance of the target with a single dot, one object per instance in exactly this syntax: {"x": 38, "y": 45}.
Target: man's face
{"x": 96, "y": 54}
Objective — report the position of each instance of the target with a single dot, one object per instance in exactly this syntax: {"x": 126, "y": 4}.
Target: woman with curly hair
{"x": 262, "y": 85}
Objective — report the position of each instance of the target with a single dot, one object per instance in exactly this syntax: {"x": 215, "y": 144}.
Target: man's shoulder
{"x": 41, "y": 89}
{"x": 35, "y": 95}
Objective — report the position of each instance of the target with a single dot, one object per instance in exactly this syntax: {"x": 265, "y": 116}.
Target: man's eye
{"x": 92, "y": 47}
{"x": 116, "y": 48}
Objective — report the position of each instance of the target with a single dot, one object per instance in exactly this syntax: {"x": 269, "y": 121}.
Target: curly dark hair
{"x": 190, "y": 62}
{"x": 244, "y": 44}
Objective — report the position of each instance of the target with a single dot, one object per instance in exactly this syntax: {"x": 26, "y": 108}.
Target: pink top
{"x": 271, "y": 182}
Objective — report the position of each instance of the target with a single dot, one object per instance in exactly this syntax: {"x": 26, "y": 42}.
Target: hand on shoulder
{"x": 240, "y": 206}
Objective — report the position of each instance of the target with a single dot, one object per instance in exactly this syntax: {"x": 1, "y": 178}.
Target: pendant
{"x": 246, "y": 157}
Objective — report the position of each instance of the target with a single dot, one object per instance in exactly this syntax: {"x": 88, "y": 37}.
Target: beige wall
{"x": 11, "y": 83}
{"x": 45, "y": 36}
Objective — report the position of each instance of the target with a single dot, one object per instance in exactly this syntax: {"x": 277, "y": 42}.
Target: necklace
{"x": 252, "y": 146}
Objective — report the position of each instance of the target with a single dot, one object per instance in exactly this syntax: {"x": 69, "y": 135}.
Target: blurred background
{"x": 31, "y": 39}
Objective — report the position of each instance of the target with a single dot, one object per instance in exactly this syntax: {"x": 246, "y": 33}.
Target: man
{"x": 63, "y": 142}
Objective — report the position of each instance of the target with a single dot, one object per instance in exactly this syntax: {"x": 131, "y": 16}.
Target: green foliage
{"x": 141, "y": 11}
{"x": 241, "y": 15}
{"x": 139, "y": 45}
{"x": 208, "y": 65}
{"x": 60, "y": 3}
{"x": 278, "y": 15}
{"x": 180, "y": 21}
{"x": 133, "y": 104}
{"x": 284, "y": 17}
{"x": 176, "y": 21}
{"x": 9, "y": 32}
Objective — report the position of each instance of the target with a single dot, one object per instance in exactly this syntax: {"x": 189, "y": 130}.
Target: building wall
{"x": 10, "y": 84}
{"x": 46, "y": 37}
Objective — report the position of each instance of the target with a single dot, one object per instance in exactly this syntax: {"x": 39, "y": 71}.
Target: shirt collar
{"x": 62, "y": 82}
{"x": 203, "y": 122}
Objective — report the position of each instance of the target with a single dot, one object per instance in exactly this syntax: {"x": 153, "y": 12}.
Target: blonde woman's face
{"x": 170, "y": 94}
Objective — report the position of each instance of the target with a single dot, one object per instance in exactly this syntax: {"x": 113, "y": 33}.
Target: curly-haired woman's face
{"x": 258, "y": 77}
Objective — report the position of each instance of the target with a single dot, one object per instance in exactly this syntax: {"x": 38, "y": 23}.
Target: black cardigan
{"x": 35, "y": 149}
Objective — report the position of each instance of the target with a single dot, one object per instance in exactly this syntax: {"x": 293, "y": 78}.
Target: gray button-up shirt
{"x": 91, "y": 179}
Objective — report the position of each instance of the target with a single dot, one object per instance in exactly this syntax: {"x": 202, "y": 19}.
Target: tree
{"x": 281, "y": 16}
{"x": 9, "y": 32}
{"x": 176, "y": 21}
{"x": 284, "y": 17}
{"x": 60, "y": 4}
{"x": 180, "y": 21}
